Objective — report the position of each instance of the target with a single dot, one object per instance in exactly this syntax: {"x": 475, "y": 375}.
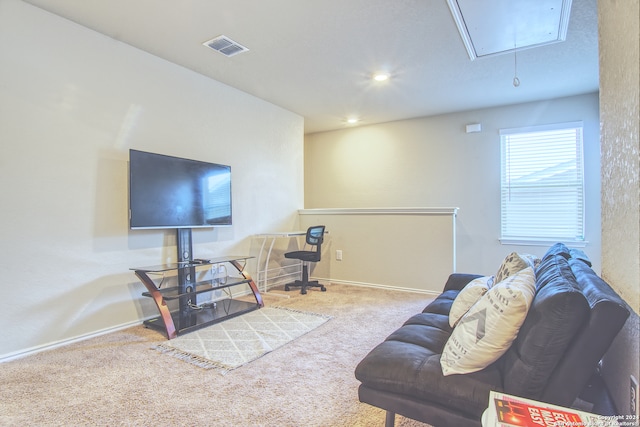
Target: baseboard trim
{"x": 379, "y": 286}
{"x": 61, "y": 343}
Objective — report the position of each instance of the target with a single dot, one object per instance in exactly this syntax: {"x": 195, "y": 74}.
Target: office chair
{"x": 315, "y": 236}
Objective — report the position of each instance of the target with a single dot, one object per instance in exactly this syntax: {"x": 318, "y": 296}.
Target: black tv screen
{"x": 172, "y": 192}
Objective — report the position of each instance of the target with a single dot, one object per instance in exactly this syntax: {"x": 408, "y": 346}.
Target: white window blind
{"x": 542, "y": 184}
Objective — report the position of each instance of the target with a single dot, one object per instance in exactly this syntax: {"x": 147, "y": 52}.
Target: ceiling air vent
{"x": 225, "y": 46}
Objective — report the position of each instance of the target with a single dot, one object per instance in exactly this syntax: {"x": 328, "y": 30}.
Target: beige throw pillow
{"x": 515, "y": 262}
{"x": 487, "y": 330}
{"x": 468, "y": 296}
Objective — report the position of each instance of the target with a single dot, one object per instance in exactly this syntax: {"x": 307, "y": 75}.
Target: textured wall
{"x": 619, "y": 112}
{"x": 620, "y": 129}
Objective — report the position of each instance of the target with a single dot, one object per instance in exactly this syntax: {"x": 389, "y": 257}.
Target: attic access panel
{"x": 494, "y": 27}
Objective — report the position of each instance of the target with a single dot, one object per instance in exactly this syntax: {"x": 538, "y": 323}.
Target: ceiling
{"x": 316, "y": 57}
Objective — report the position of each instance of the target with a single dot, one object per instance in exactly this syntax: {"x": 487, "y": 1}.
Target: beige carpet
{"x": 120, "y": 380}
{"x": 237, "y": 341}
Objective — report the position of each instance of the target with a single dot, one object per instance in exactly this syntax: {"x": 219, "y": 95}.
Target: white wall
{"x": 72, "y": 103}
{"x": 433, "y": 162}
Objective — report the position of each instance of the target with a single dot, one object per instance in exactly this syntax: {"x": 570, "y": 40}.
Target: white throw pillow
{"x": 515, "y": 262}
{"x": 487, "y": 330}
{"x": 468, "y": 296}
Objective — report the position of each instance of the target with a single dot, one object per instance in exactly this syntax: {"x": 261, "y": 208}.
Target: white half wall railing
{"x": 400, "y": 248}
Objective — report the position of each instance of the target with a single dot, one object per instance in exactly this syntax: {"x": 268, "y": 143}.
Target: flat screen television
{"x": 172, "y": 192}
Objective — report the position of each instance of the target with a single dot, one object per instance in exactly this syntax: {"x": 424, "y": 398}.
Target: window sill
{"x": 540, "y": 242}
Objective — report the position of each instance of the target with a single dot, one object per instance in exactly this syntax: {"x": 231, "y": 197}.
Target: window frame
{"x": 579, "y": 240}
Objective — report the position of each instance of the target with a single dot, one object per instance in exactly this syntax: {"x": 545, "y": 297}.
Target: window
{"x": 542, "y": 184}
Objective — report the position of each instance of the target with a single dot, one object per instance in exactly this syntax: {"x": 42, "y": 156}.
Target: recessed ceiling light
{"x": 381, "y": 77}
{"x": 353, "y": 120}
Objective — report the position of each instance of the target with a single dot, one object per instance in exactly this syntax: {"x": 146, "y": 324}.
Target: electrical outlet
{"x": 339, "y": 255}
{"x": 222, "y": 270}
{"x": 633, "y": 396}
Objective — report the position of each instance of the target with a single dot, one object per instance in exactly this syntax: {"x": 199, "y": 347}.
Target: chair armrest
{"x": 457, "y": 281}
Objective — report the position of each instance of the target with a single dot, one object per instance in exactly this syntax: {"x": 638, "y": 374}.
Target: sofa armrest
{"x": 457, "y": 281}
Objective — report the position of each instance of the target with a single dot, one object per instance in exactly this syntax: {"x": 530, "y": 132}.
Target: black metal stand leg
{"x": 390, "y": 419}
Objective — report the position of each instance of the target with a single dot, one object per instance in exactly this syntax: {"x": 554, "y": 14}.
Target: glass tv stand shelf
{"x": 201, "y": 297}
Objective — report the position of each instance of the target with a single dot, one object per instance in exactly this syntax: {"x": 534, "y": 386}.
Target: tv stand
{"x": 193, "y": 303}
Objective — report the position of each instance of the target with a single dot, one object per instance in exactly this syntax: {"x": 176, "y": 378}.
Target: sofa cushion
{"x": 558, "y": 249}
{"x": 467, "y": 297}
{"x": 580, "y": 255}
{"x": 408, "y": 363}
{"x": 427, "y": 330}
{"x": 442, "y": 304}
{"x": 457, "y": 281}
{"x": 608, "y": 313}
{"x": 558, "y": 310}
{"x": 490, "y": 326}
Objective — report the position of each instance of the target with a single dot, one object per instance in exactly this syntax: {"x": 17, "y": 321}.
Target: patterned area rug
{"x": 237, "y": 341}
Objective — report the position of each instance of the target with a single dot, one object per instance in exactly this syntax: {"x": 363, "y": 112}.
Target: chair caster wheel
{"x": 303, "y": 291}
{"x": 323, "y": 289}
{"x": 286, "y": 288}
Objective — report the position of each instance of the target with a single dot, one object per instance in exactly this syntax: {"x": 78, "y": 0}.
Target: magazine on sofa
{"x": 505, "y": 410}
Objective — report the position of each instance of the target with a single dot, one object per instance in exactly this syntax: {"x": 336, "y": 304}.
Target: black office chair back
{"x": 315, "y": 237}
